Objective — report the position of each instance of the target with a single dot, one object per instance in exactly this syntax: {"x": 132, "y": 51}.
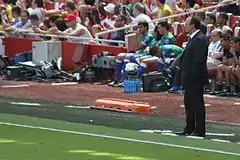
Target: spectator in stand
{"x": 16, "y": 13}
{"x": 59, "y": 4}
{"x": 109, "y": 21}
{"x": 162, "y": 55}
{"x": 24, "y": 23}
{"x": 6, "y": 7}
{"x": 96, "y": 29}
{"x": 166, "y": 36}
{"x": 227, "y": 30}
{"x": 231, "y": 8}
{"x": 143, "y": 39}
{"x": 139, "y": 15}
{"x": 75, "y": 29}
{"x": 163, "y": 9}
{"x": 210, "y": 19}
{"x": 152, "y": 9}
{"x": 70, "y": 8}
{"x": 224, "y": 70}
{"x": 132, "y": 4}
{"x": 222, "y": 19}
{"x": 215, "y": 49}
{"x": 35, "y": 21}
{"x": 119, "y": 35}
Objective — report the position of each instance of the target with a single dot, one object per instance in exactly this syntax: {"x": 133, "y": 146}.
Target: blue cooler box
{"x": 132, "y": 86}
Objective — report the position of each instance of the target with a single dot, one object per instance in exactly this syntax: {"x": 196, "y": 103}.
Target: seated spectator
{"x": 143, "y": 39}
{"x": 166, "y": 36}
{"x": 109, "y": 21}
{"x": 119, "y": 35}
{"x": 16, "y": 13}
{"x": 224, "y": 70}
{"x": 210, "y": 19}
{"x": 215, "y": 49}
{"x": 227, "y": 30}
{"x": 139, "y": 15}
{"x": 163, "y": 56}
{"x": 70, "y": 8}
{"x": 222, "y": 19}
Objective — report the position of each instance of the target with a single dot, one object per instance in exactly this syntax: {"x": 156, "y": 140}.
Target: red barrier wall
{"x": 73, "y": 53}
{"x": 17, "y": 45}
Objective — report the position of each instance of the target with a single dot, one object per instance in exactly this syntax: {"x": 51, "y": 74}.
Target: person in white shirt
{"x": 75, "y": 29}
{"x": 139, "y": 15}
{"x": 215, "y": 49}
{"x": 109, "y": 21}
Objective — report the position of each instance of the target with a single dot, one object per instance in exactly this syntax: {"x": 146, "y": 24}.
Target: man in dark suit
{"x": 194, "y": 76}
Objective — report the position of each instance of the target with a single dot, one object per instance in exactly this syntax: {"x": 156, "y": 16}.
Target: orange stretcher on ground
{"x": 122, "y": 105}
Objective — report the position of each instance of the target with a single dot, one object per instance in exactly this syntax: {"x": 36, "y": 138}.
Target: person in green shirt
{"x": 143, "y": 39}
{"x": 163, "y": 56}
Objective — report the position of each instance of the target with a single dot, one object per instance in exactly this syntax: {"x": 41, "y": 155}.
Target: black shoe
{"x": 184, "y": 133}
{"x": 197, "y": 135}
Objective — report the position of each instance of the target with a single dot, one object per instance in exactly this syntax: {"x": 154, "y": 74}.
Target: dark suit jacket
{"x": 193, "y": 62}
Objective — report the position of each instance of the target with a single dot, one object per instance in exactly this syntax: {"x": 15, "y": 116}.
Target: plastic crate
{"x": 132, "y": 86}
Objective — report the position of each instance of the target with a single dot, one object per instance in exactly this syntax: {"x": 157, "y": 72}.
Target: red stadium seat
{"x": 178, "y": 28}
{"x": 181, "y": 38}
{"x": 233, "y": 21}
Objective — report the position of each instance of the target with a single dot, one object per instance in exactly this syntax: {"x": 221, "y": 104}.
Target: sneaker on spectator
{"x": 174, "y": 89}
{"x": 112, "y": 83}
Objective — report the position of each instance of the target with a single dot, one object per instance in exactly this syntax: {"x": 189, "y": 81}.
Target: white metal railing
{"x": 165, "y": 18}
{"x": 83, "y": 39}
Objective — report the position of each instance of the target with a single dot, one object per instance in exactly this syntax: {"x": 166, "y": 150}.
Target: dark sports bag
{"x": 155, "y": 82}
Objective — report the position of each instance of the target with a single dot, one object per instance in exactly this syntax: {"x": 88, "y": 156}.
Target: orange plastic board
{"x": 123, "y": 105}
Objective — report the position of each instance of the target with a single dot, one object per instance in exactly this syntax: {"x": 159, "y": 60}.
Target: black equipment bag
{"x": 155, "y": 82}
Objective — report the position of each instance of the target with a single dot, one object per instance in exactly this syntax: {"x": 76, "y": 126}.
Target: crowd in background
{"x": 85, "y": 18}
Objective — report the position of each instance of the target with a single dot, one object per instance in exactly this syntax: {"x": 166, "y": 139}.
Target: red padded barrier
{"x": 75, "y": 53}
{"x": 17, "y": 45}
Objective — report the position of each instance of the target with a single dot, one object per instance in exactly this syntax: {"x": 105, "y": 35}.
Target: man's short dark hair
{"x": 191, "y": 3}
{"x": 143, "y": 23}
{"x": 164, "y": 24}
{"x": 162, "y": 1}
{"x": 196, "y": 22}
{"x": 229, "y": 32}
{"x": 27, "y": 13}
{"x": 17, "y": 10}
{"x": 34, "y": 17}
{"x": 212, "y": 17}
{"x": 139, "y": 7}
{"x": 223, "y": 15}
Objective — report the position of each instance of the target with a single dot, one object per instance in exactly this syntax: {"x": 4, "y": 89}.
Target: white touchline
{"x": 79, "y": 107}
{"x": 25, "y": 104}
{"x": 16, "y": 86}
{"x": 65, "y": 83}
{"x": 221, "y": 134}
{"x": 121, "y": 138}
